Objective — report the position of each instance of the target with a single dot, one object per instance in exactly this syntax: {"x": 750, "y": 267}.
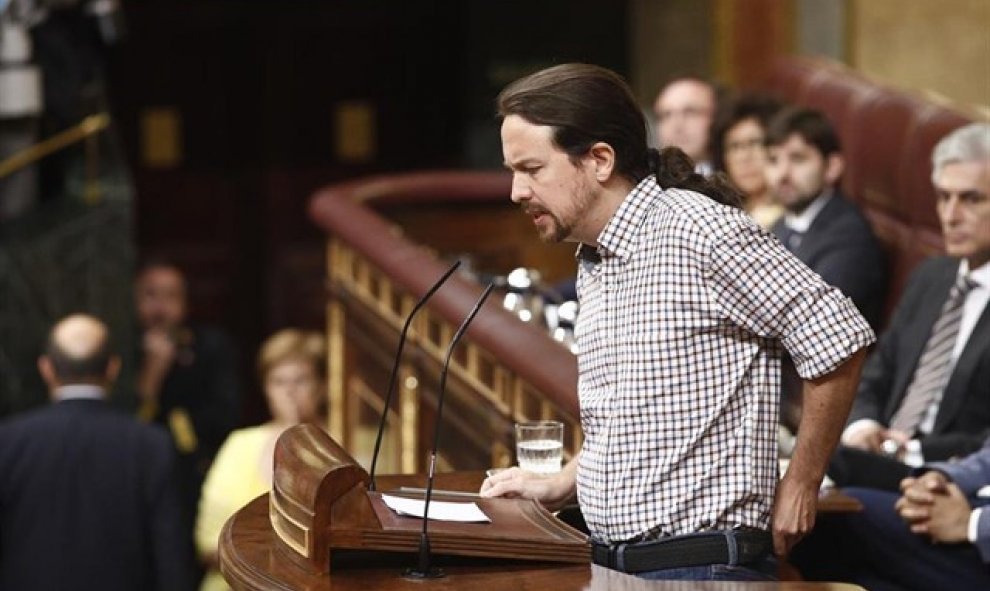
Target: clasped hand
{"x": 934, "y": 506}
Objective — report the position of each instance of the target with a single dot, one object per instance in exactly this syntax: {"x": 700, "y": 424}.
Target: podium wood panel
{"x": 251, "y": 560}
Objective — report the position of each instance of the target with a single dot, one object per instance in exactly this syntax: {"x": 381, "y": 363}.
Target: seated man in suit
{"x": 87, "y": 494}
{"x": 822, "y": 229}
{"x": 923, "y": 395}
{"x": 936, "y": 535}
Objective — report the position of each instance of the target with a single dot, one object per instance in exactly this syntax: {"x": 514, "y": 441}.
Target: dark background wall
{"x": 254, "y": 91}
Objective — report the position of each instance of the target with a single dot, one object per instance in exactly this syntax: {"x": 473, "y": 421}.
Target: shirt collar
{"x": 979, "y": 275}
{"x": 802, "y": 221}
{"x": 618, "y": 238}
{"x": 79, "y": 392}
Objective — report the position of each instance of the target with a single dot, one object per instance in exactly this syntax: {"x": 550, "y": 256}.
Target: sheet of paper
{"x": 439, "y": 510}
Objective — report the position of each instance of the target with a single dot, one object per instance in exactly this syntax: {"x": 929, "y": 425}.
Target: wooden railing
{"x": 84, "y": 131}
{"x": 504, "y": 370}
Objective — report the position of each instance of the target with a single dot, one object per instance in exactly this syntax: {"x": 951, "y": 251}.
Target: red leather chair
{"x": 887, "y": 138}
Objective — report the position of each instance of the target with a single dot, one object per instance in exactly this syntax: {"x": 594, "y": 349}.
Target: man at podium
{"x": 686, "y": 308}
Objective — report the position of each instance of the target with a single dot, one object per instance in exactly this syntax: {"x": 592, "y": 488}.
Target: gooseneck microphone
{"x": 424, "y": 570}
{"x": 395, "y": 366}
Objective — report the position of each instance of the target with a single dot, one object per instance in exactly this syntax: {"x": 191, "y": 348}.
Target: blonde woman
{"x": 291, "y": 367}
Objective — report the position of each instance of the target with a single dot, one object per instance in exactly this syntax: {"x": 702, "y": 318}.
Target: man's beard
{"x": 557, "y": 231}
{"x": 801, "y": 201}
{"x": 560, "y": 229}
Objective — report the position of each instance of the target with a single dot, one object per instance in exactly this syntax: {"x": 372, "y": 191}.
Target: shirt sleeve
{"x": 763, "y": 288}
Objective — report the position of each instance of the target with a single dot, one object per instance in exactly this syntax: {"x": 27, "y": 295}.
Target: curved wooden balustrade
{"x": 504, "y": 371}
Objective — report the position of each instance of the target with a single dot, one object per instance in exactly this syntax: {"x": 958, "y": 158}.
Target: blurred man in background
{"x": 87, "y": 494}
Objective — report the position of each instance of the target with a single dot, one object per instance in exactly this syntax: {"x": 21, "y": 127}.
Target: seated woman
{"x": 737, "y": 140}
{"x": 291, "y": 368}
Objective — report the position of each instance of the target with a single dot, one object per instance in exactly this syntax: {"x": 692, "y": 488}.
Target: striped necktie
{"x": 935, "y": 364}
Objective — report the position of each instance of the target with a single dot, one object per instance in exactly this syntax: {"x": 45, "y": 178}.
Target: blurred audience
{"x": 822, "y": 229}
{"x": 187, "y": 377}
{"x": 87, "y": 494}
{"x": 684, "y": 110}
{"x": 291, "y": 369}
{"x": 923, "y": 393}
{"x": 934, "y": 535}
{"x": 738, "y": 146}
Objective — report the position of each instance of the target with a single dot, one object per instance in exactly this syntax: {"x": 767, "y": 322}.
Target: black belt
{"x": 737, "y": 546}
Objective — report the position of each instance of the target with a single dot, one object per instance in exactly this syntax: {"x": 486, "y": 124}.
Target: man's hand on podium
{"x": 552, "y": 491}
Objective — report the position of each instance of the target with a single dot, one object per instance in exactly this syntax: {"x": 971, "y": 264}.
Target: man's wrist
{"x": 858, "y": 426}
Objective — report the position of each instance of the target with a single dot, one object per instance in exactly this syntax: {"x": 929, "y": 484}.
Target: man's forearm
{"x": 826, "y": 405}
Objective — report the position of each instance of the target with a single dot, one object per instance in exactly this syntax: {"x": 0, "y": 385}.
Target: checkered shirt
{"x": 686, "y": 307}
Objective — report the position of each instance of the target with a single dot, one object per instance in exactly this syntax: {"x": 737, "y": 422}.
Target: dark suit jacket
{"x": 203, "y": 384}
{"x": 963, "y": 419}
{"x": 840, "y": 246}
{"x": 971, "y": 474}
{"x": 87, "y": 501}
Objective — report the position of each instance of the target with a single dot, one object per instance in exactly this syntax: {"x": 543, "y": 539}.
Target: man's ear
{"x": 47, "y": 371}
{"x": 603, "y": 157}
{"x": 834, "y": 165}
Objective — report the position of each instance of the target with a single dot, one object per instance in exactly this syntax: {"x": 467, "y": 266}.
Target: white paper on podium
{"x": 439, "y": 510}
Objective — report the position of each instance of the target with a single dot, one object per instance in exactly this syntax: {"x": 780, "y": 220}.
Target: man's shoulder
{"x": 26, "y": 420}
{"x": 842, "y": 214}
{"x": 938, "y": 269}
{"x": 701, "y": 212}
{"x": 59, "y": 421}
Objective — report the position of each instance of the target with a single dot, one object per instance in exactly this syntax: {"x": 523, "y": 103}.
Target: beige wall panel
{"x": 670, "y": 38}
{"x": 942, "y": 46}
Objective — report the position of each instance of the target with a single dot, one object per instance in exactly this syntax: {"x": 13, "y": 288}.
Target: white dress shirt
{"x": 975, "y": 304}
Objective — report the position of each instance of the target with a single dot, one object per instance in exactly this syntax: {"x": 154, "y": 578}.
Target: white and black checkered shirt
{"x": 685, "y": 308}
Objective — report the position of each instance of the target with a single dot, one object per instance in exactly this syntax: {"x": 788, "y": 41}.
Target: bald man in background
{"x": 684, "y": 110}
{"x": 87, "y": 494}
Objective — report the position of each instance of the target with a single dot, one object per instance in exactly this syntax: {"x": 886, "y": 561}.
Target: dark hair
{"x": 760, "y": 107}
{"x": 158, "y": 261}
{"x": 586, "y": 104}
{"x": 69, "y": 369}
{"x": 812, "y": 125}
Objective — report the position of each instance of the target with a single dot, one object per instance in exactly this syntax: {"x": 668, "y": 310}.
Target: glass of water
{"x": 540, "y": 446}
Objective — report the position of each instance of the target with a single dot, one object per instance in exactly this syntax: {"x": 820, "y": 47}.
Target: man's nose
{"x": 520, "y": 190}
{"x": 950, "y": 209}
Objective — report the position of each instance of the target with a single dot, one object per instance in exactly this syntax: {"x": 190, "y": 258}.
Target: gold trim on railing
{"x": 87, "y": 127}
{"x": 335, "y": 360}
{"x": 409, "y": 413}
{"x": 511, "y": 396}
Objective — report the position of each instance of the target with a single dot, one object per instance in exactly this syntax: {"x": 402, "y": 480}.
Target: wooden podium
{"x": 320, "y": 529}
{"x": 320, "y": 503}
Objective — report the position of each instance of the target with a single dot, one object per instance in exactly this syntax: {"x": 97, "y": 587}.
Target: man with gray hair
{"x": 87, "y": 494}
{"x": 923, "y": 393}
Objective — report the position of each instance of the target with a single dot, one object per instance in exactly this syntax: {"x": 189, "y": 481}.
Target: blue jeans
{"x": 761, "y": 570}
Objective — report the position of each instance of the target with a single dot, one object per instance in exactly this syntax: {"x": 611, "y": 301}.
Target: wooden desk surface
{"x": 251, "y": 560}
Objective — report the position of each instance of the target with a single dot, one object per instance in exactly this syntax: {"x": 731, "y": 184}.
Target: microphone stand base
{"x": 419, "y": 574}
